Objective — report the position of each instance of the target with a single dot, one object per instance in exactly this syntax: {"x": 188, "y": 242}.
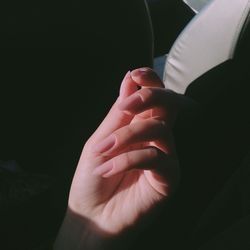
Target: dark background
{"x": 62, "y": 64}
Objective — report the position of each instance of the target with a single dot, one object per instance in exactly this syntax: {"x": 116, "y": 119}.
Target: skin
{"x": 128, "y": 166}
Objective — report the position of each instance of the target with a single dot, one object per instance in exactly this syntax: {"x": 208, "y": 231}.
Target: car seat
{"x": 211, "y": 38}
{"x": 209, "y": 63}
{"x": 171, "y": 16}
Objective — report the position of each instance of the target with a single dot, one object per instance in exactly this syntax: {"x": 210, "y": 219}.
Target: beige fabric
{"x": 208, "y": 40}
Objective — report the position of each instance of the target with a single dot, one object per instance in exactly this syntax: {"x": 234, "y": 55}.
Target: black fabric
{"x": 168, "y": 20}
{"x": 243, "y": 48}
{"x": 62, "y": 65}
{"x": 213, "y": 142}
{"x": 57, "y": 59}
{"x": 226, "y": 223}
{"x": 217, "y": 136}
{"x": 25, "y": 208}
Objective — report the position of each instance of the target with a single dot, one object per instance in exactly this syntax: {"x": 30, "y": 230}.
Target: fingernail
{"x": 106, "y": 144}
{"x": 103, "y": 169}
{"x": 146, "y": 74}
{"x": 145, "y": 69}
{"x": 131, "y": 102}
{"x": 141, "y": 71}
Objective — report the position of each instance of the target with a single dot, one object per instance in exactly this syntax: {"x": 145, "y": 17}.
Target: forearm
{"x": 76, "y": 233}
{"x": 79, "y": 233}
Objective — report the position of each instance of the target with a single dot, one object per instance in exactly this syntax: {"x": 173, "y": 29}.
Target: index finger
{"x": 146, "y": 77}
{"x": 116, "y": 119}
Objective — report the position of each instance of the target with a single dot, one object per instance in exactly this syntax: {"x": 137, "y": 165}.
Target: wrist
{"x": 77, "y": 233}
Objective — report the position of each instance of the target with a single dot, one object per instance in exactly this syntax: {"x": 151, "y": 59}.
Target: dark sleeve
{"x": 226, "y": 222}
{"x": 45, "y": 246}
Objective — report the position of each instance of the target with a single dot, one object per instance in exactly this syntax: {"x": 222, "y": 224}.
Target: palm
{"x": 122, "y": 198}
{"x": 137, "y": 196}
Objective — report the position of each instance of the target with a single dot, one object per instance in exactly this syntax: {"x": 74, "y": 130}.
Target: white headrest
{"x": 208, "y": 40}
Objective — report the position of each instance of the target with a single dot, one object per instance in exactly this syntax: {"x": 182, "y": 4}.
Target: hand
{"x": 129, "y": 164}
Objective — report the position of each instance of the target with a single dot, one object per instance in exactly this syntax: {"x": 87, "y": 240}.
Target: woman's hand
{"x": 129, "y": 164}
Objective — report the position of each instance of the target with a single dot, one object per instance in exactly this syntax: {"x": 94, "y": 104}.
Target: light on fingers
{"x": 146, "y": 77}
{"x": 137, "y": 159}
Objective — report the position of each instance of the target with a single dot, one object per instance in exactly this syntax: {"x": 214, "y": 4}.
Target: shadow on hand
{"x": 152, "y": 230}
